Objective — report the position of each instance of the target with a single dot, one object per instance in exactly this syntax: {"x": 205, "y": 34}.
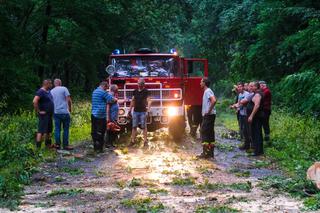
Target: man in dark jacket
{"x": 266, "y": 109}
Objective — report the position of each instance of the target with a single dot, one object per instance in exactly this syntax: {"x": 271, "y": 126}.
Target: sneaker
{"x": 68, "y": 148}
{"x": 203, "y": 156}
{"x": 55, "y": 146}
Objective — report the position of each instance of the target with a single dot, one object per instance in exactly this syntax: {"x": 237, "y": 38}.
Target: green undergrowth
{"x": 18, "y": 156}
{"x": 295, "y": 143}
{"x": 215, "y": 209}
{"x": 143, "y": 205}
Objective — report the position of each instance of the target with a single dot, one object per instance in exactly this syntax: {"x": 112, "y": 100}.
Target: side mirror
{"x": 110, "y": 70}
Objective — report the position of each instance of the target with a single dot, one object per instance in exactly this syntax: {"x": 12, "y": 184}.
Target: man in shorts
{"x": 43, "y": 105}
{"x": 140, "y": 104}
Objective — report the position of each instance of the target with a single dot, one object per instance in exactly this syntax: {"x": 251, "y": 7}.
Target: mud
{"x": 165, "y": 177}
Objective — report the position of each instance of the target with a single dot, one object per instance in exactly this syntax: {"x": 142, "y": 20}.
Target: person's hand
{"x": 42, "y": 112}
{"x": 250, "y": 119}
{"x": 115, "y": 100}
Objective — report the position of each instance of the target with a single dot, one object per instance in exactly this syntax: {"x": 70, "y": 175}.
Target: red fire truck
{"x": 173, "y": 83}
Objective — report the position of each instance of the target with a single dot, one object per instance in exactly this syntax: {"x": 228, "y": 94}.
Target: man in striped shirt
{"x": 100, "y": 98}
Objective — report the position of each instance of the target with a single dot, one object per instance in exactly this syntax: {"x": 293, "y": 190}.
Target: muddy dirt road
{"x": 166, "y": 177}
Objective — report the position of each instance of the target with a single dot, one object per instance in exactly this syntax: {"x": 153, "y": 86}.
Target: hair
{"x": 240, "y": 83}
{"x": 45, "y": 81}
{"x": 113, "y": 87}
{"x": 103, "y": 84}
{"x": 141, "y": 81}
{"x": 257, "y": 84}
{"x": 206, "y": 81}
{"x": 262, "y": 82}
{"x": 57, "y": 82}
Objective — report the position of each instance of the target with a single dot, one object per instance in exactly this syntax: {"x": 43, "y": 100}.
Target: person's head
{"x": 250, "y": 87}
{"x": 205, "y": 83}
{"x": 255, "y": 86}
{"x": 47, "y": 84}
{"x": 246, "y": 86}
{"x": 57, "y": 82}
{"x": 104, "y": 85}
{"x": 141, "y": 83}
{"x": 114, "y": 88}
{"x": 240, "y": 87}
{"x": 263, "y": 84}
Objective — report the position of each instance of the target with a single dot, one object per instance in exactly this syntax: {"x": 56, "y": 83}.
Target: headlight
{"x": 172, "y": 111}
{"x": 121, "y": 111}
{"x": 176, "y": 95}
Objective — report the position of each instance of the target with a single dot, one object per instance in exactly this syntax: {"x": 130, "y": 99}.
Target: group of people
{"x": 105, "y": 107}
{"x": 253, "y": 107}
{"x": 54, "y": 103}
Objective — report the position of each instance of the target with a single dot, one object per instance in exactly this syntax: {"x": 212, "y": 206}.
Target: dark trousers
{"x": 256, "y": 134}
{"x": 265, "y": 124}
{"x": 207, "y": 129}
{"x": 64, "y": 120}
{"x": 98, "y": 129}
{"x": 111, "y": 137}
{"x": 245, "y": 131}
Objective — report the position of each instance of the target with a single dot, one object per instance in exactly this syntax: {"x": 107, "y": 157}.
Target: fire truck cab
{"x": 173, "y": 83}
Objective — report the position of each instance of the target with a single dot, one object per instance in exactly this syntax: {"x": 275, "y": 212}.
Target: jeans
{"x": 63, "y": 119}
{"x": 139, "y": 119}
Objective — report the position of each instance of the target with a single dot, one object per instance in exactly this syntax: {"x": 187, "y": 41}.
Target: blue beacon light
{"x": 116, "y": 52}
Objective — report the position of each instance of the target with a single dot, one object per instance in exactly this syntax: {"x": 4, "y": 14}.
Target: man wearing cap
{"x": 266, "y": 109}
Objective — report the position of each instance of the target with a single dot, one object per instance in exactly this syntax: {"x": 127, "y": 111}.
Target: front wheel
{"x": 177, "y": 127}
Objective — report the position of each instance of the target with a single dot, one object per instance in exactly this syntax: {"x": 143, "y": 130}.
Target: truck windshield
{"x": 144, "y": 66}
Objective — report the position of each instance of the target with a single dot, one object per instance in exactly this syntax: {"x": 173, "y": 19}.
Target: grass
{"x": 72, "y": 171}
{"x": 180, "y": 181}
{"x": 215, "y": 209}
{"x": 295, "y": 147}
{"x": 135, "y": 182}
{"x": 239, "y": 173}
{"x": 63, "y": 191}
{"x": 246, "y": 186}
{"x": 142, "y": 205}
{"x": 18, "y": 156}
{"x": 158, "y": 191}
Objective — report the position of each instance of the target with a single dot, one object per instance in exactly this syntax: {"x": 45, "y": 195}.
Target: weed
{"x": 129, "y": 169}
{"x": 261, "y": 164}
{"x": 72, "y": 171}
{"x": 63, "y": 191}
{"x": 58, "y": 179}
{"x": 224, "y": 147}
{"x": 215, "y": 209}
{"x": 158, "y": 191}
{"x": 121, "y": 184}
{"x": 100, "y": 173}
{"x": 234, "y": 199}
{"x": 125, "y": 150}
{"x": 45, "y": 205}
{"x": 135, "y": 182}
{"x": 142, "y": 205}
{"x": 171, "y": 172}
{"x": 179, "y": 181}
{"x": 312, "y": 203}
{"x": 239, "y": 173}
{"x": 247, "y": 186}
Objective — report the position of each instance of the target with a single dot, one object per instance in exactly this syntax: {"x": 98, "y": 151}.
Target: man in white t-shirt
{"x": 62, "y": 108}
{"x": 208, "y": 119}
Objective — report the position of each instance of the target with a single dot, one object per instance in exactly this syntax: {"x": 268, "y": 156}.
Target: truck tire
{"x": 177, "y": 127}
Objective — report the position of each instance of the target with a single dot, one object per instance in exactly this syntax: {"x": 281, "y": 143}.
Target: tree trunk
{"x": 44, "y": 39}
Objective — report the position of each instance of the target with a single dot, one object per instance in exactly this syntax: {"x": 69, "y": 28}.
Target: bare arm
{"x": 256, "y": 100}
{"x": 69, "y": 101}
{"x": 131, "y": 105}
{"x": 36, "y": 103}
{"x": 149, "y": 104}
{"x": 213, "y": 101}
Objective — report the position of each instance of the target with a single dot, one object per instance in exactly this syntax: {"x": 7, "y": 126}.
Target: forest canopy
{"x": 276, "y": 41}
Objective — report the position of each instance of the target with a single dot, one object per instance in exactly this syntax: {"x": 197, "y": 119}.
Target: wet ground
{"x": 166, "y": 177}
